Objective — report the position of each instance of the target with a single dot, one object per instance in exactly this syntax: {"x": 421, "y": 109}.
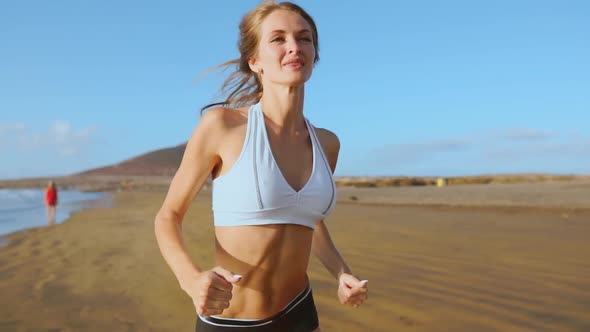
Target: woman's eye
{"x": 277, "y": 39}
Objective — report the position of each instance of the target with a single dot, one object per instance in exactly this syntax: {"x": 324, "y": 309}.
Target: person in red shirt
{"x": 51, "y": 202}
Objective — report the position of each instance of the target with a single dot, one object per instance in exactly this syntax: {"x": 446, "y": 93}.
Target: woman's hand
{"x": 211, "y": 291}
{"x": 351, "y": 290}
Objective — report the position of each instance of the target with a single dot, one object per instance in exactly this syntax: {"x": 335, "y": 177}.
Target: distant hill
{"x": 163, "y": 162}
{"x": 153, "y": 171}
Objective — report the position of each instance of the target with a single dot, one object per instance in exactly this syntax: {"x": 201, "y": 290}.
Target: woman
{"x": 272, "y": 188}
{"x": 50, "y": 202}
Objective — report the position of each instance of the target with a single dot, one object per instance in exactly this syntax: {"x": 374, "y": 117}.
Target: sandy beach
{"x": 464, "y": 258}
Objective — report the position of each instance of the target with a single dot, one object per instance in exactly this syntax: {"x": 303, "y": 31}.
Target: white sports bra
{"x": 255, "y": 192}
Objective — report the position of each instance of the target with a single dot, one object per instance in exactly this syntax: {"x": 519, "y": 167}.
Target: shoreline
{"x": 430, "y": 198}
{"x": 105, "y": 200}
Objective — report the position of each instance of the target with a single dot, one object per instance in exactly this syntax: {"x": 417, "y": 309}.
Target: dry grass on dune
{"x": 408, "y": 181}
{"x": 114, "y": 182}
{"x": 550, "y": 195}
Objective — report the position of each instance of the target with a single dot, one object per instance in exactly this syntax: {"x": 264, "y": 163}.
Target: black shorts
{"x": 299, "y": 315}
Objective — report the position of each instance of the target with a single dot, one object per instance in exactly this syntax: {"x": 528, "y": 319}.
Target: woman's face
{"x": 285, "y": 50}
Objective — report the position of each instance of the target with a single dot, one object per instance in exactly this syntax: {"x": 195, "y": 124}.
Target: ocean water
{"x": 25, "y": 208}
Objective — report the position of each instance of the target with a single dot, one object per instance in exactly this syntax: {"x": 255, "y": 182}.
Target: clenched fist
{"x": 351, "y": 290}
{"x": 211, "y": 291}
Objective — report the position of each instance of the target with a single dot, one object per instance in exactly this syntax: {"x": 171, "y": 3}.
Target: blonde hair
{"x": 243, "y": 86}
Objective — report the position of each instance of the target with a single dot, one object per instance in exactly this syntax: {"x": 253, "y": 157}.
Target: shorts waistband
{"x": 237, "y": 322}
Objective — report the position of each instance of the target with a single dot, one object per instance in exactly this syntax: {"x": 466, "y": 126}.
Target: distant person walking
{"x": 51, "y": 202}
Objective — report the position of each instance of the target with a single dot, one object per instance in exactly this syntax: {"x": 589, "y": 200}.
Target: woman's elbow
{"x": 166, "y": 216}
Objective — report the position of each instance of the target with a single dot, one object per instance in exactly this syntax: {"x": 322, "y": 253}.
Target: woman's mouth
{"x": 294, "y": 64}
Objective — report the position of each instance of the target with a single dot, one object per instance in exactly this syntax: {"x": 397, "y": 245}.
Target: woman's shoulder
{"x": 330, "y": 144}
{"x": 216, "y": 129}
{"x": 218, "y": 121}
{"x": 328, "y": 138}
{"x": 224, "y": 116}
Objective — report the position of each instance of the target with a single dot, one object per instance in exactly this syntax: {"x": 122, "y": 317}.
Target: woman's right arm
{"x": 211, "y": 289}
{"x": 200, "y": 156}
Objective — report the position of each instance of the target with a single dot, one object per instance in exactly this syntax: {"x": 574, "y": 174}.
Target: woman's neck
{"x": 283, "y": 106}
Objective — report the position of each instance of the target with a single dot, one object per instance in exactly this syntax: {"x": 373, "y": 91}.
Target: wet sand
{"x": 437, "y": 259}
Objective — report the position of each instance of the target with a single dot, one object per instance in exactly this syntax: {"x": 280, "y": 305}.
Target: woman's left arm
{"x": 324, "y": 249}
{"x": 351, "y": 290}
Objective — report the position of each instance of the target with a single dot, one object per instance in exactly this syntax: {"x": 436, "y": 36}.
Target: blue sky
{"x": 410, "y": 87}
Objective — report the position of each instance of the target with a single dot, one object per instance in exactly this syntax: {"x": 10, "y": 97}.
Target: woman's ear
{"x": 254, "y": 67}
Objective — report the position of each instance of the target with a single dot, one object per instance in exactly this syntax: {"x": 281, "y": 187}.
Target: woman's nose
{"x": 293, "y": 46}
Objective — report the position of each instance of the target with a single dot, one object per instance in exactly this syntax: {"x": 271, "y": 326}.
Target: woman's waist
{"x": 253, "y": 299}
{"x": 272, "y": 261}
{"x": 263, "y": 249}
{"x": 269, "y": 273}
